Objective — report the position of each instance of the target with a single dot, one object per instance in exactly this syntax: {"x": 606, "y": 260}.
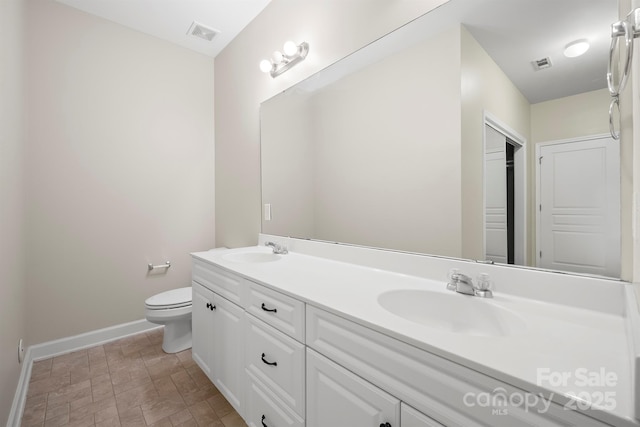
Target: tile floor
{"x": 129, "y": 382}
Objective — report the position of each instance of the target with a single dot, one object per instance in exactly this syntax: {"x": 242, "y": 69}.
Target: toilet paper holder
{"x": 152, "y": 267}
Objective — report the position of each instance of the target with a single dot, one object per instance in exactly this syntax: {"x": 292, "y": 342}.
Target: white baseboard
{"x": 67, "y": 345}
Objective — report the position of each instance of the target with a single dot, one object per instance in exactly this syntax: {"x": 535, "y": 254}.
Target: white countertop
{"x": 576, "y": 342}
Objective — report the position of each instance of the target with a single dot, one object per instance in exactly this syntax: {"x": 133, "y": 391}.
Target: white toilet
{"x": 173, "y": 310}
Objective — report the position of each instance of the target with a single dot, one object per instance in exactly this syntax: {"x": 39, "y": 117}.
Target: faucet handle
{"x": 452, "y": 277}
{"x": 483, "y": 287}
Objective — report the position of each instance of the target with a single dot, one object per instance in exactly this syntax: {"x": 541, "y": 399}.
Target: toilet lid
{"x": 174, "y": 297}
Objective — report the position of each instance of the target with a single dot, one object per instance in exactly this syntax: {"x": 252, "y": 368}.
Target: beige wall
{"x": 333, "y": 28}
{"x": 120, "y": 161}
{"x": 384, "y": 168}
{"x": 485, "y": 89}
{"x": 571, "y": 117}
{"x": 286, "y": 149}
{"x": 12, "y": 289}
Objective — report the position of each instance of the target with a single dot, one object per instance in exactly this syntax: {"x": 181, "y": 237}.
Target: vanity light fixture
{"x": 576, "y": 48}
{"x": 281, "y": 61}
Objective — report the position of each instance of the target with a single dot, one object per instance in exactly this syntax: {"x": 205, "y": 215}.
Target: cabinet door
{"x": 228, "y": 351}
{"x": 411, "y": 418}
{"x": 202, "y": 327}
{"x": 336, "y": 397}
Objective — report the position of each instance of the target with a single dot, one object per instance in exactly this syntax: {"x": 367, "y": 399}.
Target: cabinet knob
{"x": 211, "y": 306}
{"x": 208, "y": 305}
{"x": 267, "y": 362}
{"x": 263, "y": 424}
{"x": 385, "y": 425}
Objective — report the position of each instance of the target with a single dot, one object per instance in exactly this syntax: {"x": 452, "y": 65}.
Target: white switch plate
{"x": 267, "y": 211}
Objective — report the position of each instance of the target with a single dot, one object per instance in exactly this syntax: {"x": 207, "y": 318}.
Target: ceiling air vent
{"x": 202, "y": 31}
{"x": 541, "y": 64}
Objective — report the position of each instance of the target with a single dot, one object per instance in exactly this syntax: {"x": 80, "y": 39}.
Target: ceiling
{"x": 513, "y": 32}
{"x": 516, "y": 32}
{"x": 171, "y": 19}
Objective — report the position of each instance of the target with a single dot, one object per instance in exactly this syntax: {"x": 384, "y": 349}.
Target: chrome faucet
{"x": 277, "y": 249}
{"x": 463, "y": 284}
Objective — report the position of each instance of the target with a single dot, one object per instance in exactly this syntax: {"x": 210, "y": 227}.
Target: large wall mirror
{"x": 466, "y": 133}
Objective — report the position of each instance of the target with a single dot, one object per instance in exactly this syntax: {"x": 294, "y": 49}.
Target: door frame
{"x": 538, "y": 147}
{"x": 520, "y": 167}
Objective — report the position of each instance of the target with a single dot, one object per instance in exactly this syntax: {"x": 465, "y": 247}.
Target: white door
{"x": 495, "y": 196}
{"x": 336, "y": 397}
{"x": 579, "y": 206}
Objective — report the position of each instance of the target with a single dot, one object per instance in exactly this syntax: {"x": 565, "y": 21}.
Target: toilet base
{"x": 177, "y": 336}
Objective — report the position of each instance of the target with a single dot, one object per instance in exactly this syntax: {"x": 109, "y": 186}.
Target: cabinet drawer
{"x": 225, "y": 284}
{"x": 278, "y": 310}
{"x": 278, "y": 361}
{"x": 264, "y": 409}
{"x": 439, "y": 388}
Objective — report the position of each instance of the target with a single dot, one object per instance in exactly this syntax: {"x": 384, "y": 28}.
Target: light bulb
{"x": 290, "y": 48}
{"x": 265, "y": 65}
{"x": 277, "y": 56}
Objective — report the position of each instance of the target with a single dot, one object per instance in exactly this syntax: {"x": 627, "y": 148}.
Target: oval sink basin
{"x": 455, "y": 313}
{"x": 252, "y": 257}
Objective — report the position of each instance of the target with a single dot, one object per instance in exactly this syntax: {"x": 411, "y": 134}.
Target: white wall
{"x": 486, "y": 89}
{"x": 333, "y": 28}
{"x": 571, "y": 117}
{"x": 120, "y": 157}
{"x": 12, "y": 289}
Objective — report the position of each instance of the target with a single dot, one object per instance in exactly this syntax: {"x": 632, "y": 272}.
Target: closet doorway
{"x": 504, "y": 195}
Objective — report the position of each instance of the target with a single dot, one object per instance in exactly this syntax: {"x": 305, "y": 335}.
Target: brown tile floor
{"x": 129, "y": 382}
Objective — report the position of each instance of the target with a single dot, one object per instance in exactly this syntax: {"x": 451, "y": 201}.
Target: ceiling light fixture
{"x": 282, "y": 61}
{"x": 576, "y": 48}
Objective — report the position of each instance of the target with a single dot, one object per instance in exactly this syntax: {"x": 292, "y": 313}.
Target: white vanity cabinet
{"x": 249, "y": 340}
{"x": 433, "y": 385}
{"x": 217, "y": 328}
{"x": 282, "y": 362}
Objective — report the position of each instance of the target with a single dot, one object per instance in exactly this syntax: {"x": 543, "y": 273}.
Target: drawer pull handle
{"x": 263, "y": 424}
{"x": 272, "y": 310}
{"x": 267, "y": 362}
{"x": 385, "y": 425}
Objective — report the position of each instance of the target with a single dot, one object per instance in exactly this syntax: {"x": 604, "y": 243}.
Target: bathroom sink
{"x": 252, "y": 257}
{"x": 452, "y": 312}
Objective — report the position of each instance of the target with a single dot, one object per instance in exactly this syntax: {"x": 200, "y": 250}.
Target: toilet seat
{"x": 173, "y": 299}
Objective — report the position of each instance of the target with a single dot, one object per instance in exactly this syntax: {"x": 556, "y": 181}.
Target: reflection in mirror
{"x": 427, "y": 140}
